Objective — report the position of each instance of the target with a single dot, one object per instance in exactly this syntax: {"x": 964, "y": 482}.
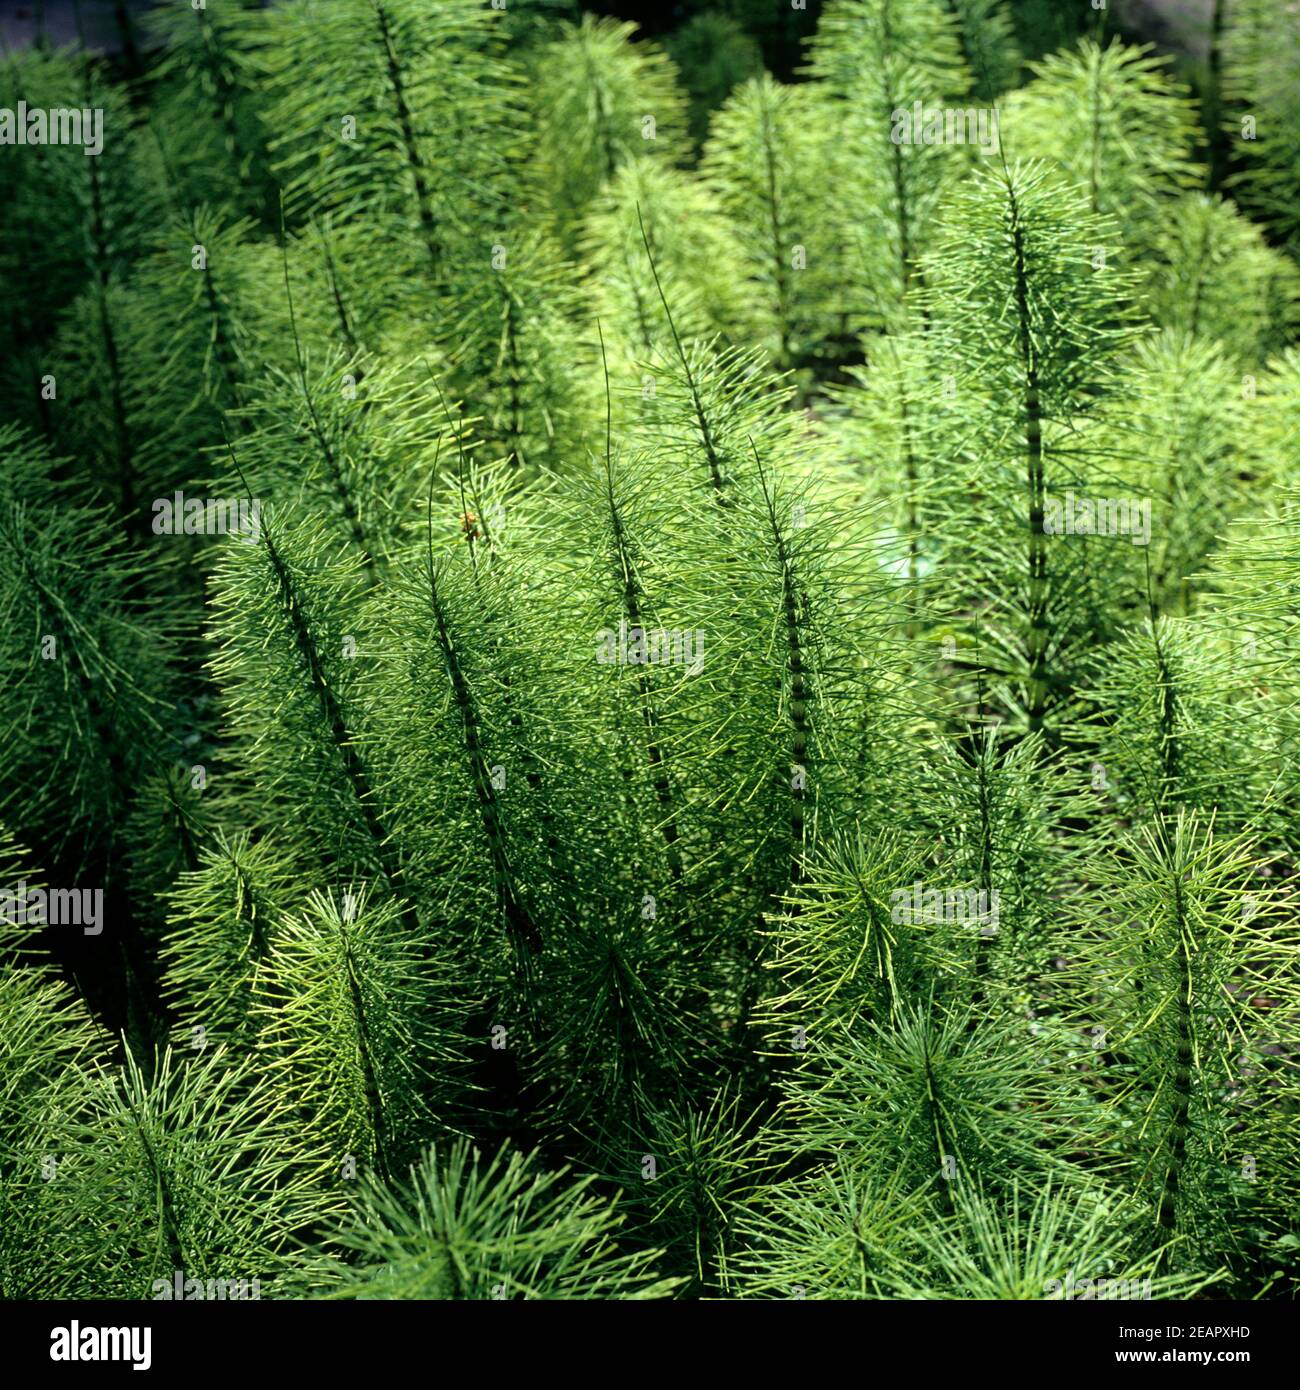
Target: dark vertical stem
{"x": 132, "y": 66}
{"x": 514, "y": 383}
{"x": 630, "y": 596}
{"x": 801, "y": 693}
{"x": 1034, "y": 479}
{"x": 776, "y": 226}
{"x": 406, "y": 125}
{"x": 1216, "y": 138}
{"x": 1170, "y": 752}
{"x": 365, "y": 1059}
{"x": 913, "y": 520}
{"x": 102, "y": 268}
{"x": 167, "y": 1214}
{"x": 222, "y": 342}
{"x": 1182, "y": 1075}
{"x": 519, "y": 921}
{"x": 934, "y": 1111}
{"x": 342, "y": 490}
{"x": 716, "y": 476}
{"x": 346, "y": 329}
{"x": 341, "y": 738}
{"x": 984, "y": 806}
{"x": 1094, "y": 106}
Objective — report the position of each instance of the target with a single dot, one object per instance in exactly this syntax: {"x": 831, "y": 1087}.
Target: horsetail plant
{"x": 628, "y": 676}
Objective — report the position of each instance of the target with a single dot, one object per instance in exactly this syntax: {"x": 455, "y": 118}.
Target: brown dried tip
{"x": 469, "y": 525}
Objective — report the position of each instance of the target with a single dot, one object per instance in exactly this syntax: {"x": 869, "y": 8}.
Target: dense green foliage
{"x": 721, "y": 718}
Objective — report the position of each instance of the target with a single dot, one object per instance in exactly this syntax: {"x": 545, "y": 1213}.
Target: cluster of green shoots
{"x": 601, "y": 702}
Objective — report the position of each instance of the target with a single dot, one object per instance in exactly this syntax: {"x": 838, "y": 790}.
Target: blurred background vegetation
{"x": 715, "y": 44}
